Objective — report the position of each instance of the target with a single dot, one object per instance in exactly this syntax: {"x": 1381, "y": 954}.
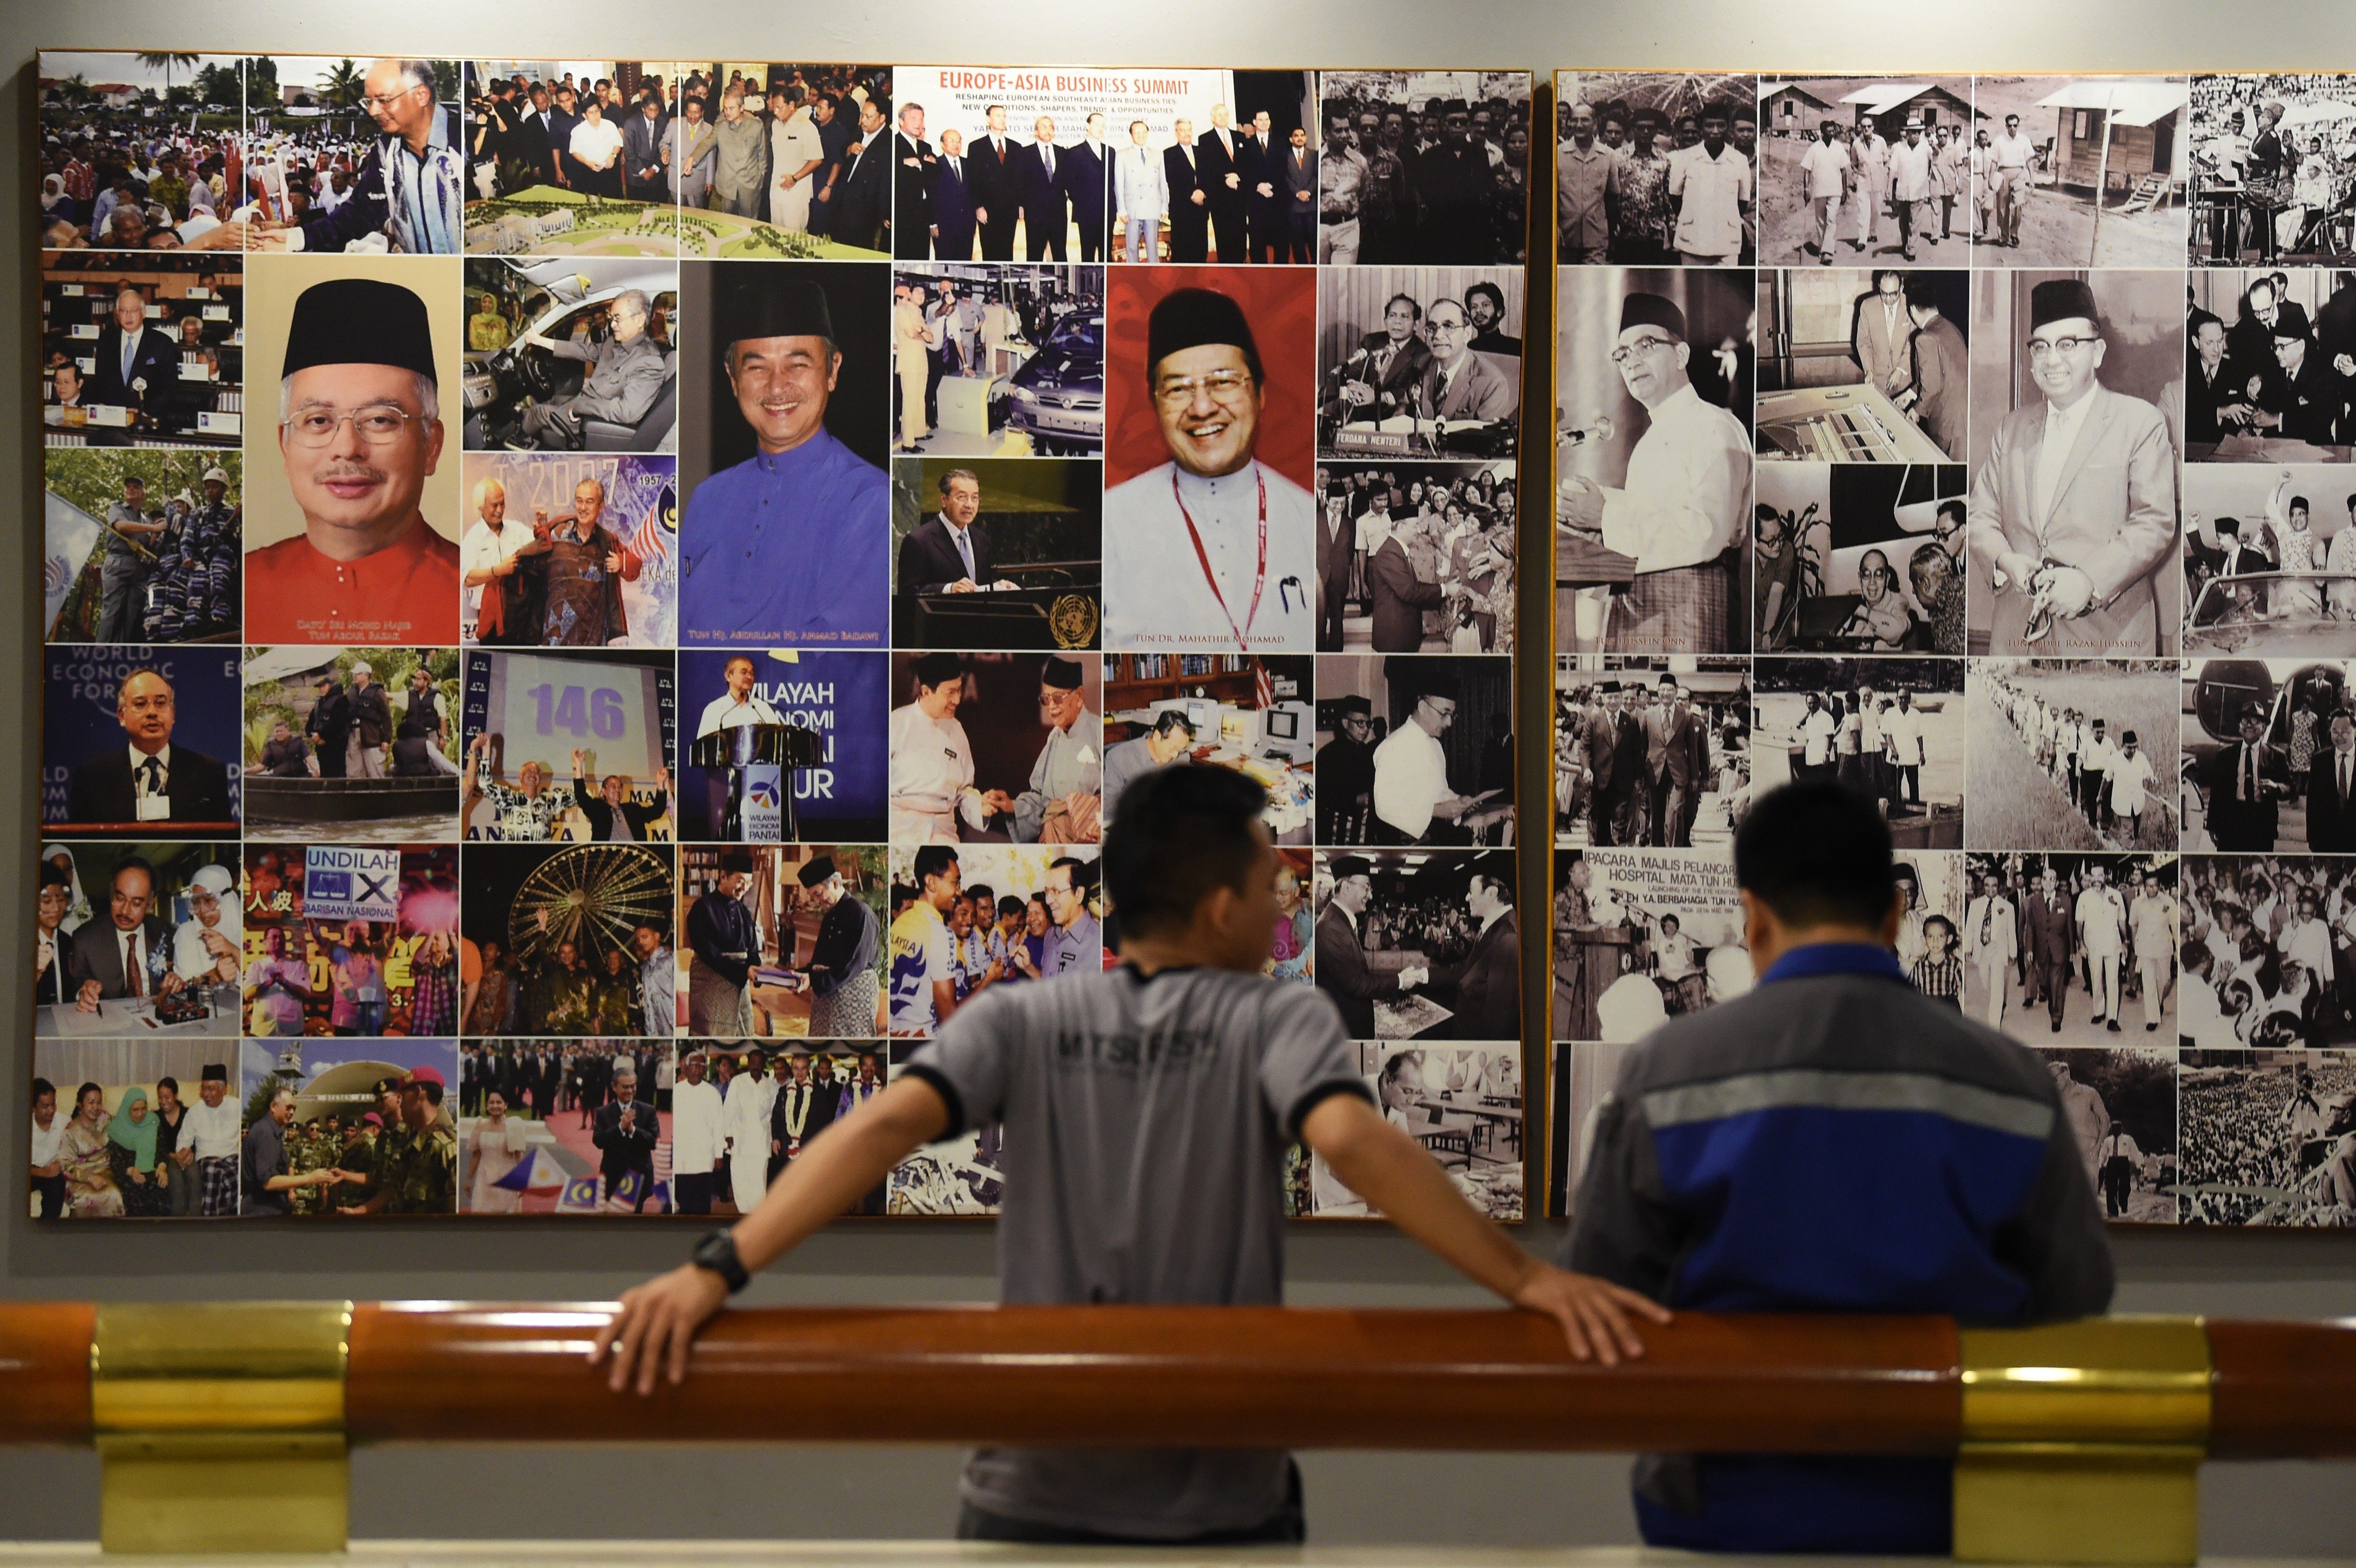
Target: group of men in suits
{"x": 2247, "y": 780}
{"x": 945, "y": 200}
{"x": 2274, "y": 373}
{"x": 1639, "y": 767}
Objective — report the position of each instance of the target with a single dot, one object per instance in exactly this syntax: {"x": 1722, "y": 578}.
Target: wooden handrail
{"x": 1199, "y": 1377}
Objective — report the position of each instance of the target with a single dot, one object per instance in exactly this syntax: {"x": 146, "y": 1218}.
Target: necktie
{"x": 965, "y": 550}
{"x": 2249, "y": 773}
{"x": 135, "y": 972}
{"x": 130, "y": 351}
{"x": 2343, "y": 778}
{"x": 1047, "y": 156}
{"x": 152, "y": 775}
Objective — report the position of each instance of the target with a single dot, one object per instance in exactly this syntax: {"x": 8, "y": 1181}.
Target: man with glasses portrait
{"x": 360, "y": 431}
{"x": 412, "y": 187}
{"x": 2073, "y": 514}
{"x": 1213, "y": 551}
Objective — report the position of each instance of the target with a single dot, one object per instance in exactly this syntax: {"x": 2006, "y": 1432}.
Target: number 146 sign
{"x": 578, "y": 710}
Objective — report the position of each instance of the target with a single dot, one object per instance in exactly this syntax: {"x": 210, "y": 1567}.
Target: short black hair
{"x": 43, "y": 1086}
{"x": 1817, "y": 853}
{"x": 1182, "y": 831}
{"x": 933, "y": 861}
{"x": 1921, "y": 291}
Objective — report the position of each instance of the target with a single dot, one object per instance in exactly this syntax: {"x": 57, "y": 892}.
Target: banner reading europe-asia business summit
{"x": 721, "y": 537}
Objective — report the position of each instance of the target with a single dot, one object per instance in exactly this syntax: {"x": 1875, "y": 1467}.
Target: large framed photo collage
{"x": 716, "y": 541}
{"x": 1935, "y": 432}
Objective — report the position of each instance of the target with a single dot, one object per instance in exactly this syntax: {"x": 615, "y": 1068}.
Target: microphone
{"x": 1599, "y": 429}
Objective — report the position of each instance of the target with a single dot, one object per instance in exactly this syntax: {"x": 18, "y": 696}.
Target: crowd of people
{"x": 2268, "y": 939}
{"x": 2099, "y": 764}
{"x": 565, "y": 988}
{"x": 1428, "y": 561}
{"x": 2272, "y": 1144}
{"x": 150, "y": 1155}
{"x": 1640, "y": 186}
{"x": 2274, "y": 372}
{"x": 1664, "y": 970}
{"x": 136, "y": 177}
{"x": 2271, "y": 181}
{"x": 1445, "y": 181}
{"x": 549, "y": 1078}
{"x": 368, "y": 965}
{"x": 1634, "y": 760}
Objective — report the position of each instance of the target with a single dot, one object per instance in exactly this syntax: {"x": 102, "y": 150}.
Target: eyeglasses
{"x": 1644, "y": 345}
{"x": 1225, "y": 385}
{"x": 378, "y": 424}
{"x": 2039, "y": 347}
{"x": 372, "y": 102}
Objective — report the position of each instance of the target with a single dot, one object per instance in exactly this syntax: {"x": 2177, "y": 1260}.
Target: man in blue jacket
{"x": 1831, "y": 1142}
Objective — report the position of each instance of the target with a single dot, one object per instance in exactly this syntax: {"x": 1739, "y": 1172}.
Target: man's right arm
{"x": 649, "y": 1336}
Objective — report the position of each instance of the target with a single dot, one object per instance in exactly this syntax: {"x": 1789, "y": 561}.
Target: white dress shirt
{"x": 1410, "y": 778}
{"x": 212, "y": 1130}
{"x": 932, "y": 778}
{"x": 1155, "y": 594}
{"x": 697, "y": 1136}
{"x": 1687, "y": 489}
{"x": 2061, "y": 428}
{"x": 485, "y": 547}
{"x": 725, "y": 712}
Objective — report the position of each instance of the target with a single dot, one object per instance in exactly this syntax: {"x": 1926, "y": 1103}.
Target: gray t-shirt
{"x": 1146, "y": 1127}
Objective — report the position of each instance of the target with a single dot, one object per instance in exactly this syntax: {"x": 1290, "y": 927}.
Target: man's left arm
{"x": 2149, "y": 529}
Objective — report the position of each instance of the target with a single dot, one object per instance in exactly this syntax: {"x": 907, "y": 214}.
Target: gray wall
{"x": 2308, "y": 1510}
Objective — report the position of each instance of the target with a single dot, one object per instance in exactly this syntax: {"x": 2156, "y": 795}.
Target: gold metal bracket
{"x": 2082, "y": 1442}
{"x": 220, "y": 1426}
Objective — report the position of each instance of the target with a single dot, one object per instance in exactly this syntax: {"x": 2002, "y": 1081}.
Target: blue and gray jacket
{"x": 1833, "y": 1142}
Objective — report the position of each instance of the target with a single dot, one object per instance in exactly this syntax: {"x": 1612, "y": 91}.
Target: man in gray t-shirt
{"x": 1148, "y": 1111}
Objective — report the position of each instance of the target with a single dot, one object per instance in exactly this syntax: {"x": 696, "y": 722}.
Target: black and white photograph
{"x": 2266, "y": 746}
{"x": 1419, "y": 362}
{"x": 354, "y": 156}
{"x": 144, "y": 1128}
{"x": 1417, "y": 557}
{"x": 136, "y": 939}
{"x": 1422, "y": 946}
{"x": 2072, "y": 754}
{"x": 2269, "y": 1139}
{"x": 2121, "y": 1106}
{"x": 1657, "y": 168}
{"x": 1650, "y": 752}
{"x": 2266, "y": 941}
{"x": 2080, "y": 561}
{"x": 1462, "y": 1103}
{"x": 578, "y": 158}
{"x": 2094, "y": 951}
{"x": 2270, "y": 365}
{"x": 1424, "y": 167}
{"x": 1581, "y": 1075}
{"x": 137, "y": 152}
{"x": 1858, "y": 558}
{"x": 142, "y": 546}
{"x": 576, "y": 355}
{"x": 143, "y": 350}
{"x": 997, "y": 552}
{"x": 998, "y": 360}
{"x": 1414, "y": 751}
{"x": 1864, "y": 168}
{"x": 1892, "y": 727}
{"x": 2269, "y": 559}
{"x": 360, "y": 744}
{"x": 2079, "y": 171}
{"x": 1642, "y": 936}
{"x": 2271, "y": 167}
{"x": 1652, "y": 454}
{"x": 1864, "y": 366}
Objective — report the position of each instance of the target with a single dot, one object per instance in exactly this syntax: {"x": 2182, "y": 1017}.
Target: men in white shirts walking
{"x": 1990, "y": 944}
{"x": 1911, "y": 188}
{"x": 2102, "y": 920}
{"x": 2009, "y": 159}
{"x": 1826, "y": 171}
{"x": 1870, "y": 155}
{"x": 698, "y": 1137}
{"x": 2151, "y": 921}
{"x": 2130, "y": 777}
{"x": 2094, "y": 762}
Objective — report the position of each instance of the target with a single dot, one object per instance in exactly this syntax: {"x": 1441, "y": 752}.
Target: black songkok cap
{"x": 2290, "y": 322}
{"x": 775, "y": 301}
{"x": 1440, "y": 685}
{"x": 1454, "y": 106}
{"x": 359, "y": 321}
{"x": 817, "y": 871}
{"x": 1653, "y": 309}
{"x": 214, "y": 1073}
{"x": 1188, "y": 318}
{"x": 1344, "y": 867}
{"x": 1063, "y": 674}
{"x": 934, "y": 669}
{"x": 736, "y": 860}
{"x": 2058, "y": 299}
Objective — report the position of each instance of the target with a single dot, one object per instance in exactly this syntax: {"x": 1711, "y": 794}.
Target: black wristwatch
{"x": 717, "y": 1252}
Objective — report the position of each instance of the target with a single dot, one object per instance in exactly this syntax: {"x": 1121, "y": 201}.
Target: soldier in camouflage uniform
{"x": 308, "y": 1151}
{"x": 418, "y": 1175}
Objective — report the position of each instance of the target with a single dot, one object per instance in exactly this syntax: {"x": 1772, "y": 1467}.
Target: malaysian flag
{"x": 646, "y": 540}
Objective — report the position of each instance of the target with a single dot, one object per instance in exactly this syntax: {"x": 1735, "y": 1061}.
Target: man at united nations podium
{"x": 948, "y": 552}
{"x": 1155, "y": 1103}
{"x": 1831, "y": 1142}
{"x": 359, "y": 432}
